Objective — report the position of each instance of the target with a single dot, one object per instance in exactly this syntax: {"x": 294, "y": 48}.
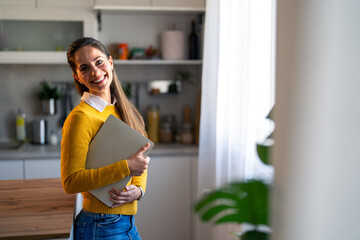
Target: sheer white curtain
{"x": 237, "y": 92}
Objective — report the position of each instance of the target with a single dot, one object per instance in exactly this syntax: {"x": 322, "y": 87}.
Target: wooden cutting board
{"x": 35, "y": 209}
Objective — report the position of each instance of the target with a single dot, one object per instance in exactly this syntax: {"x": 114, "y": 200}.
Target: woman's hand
{"x": 128, "y": 195}
{"x": 137, "y": 163}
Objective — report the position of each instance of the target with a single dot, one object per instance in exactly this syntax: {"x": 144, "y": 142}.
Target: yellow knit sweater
{"x": 79, "y": 129}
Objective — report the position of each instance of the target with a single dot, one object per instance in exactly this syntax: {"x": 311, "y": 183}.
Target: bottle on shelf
{"x": 187, "y": 136}
{"x": 193, "y": 42}
{"x": 21, "y": 126}
{"x": 186, "y": 114}
{"x": 153, "y": 115}
{"x": 123, "y": 51}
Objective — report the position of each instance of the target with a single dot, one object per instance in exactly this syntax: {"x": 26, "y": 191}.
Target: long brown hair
{"x": 128, "y": 113}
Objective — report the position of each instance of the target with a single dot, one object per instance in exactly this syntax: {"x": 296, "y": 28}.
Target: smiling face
{"x": 94, "y": 70}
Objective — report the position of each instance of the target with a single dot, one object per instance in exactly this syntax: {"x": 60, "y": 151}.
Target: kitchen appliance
{"x": 39, "y": 131}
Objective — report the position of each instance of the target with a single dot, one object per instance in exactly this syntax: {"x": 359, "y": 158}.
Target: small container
{"x": 137, "y": 53}
{"x": 166, "y": 133}
{"x": 123, "y": 51}
{"x": 153, "y": 115}
{"x": 187, "y": 136}
{"x": 53, "y": 138}
{"x": 170, "y": 118}
{"x": 40, "y": 131}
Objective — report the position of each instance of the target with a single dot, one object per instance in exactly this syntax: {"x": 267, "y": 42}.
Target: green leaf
{"x": 213, "y": 196}
{"x": 234, "y": 218}
{"x": 247, "y": 202}
{"x": 271, "y": 114}
{"x": 256, "y": 201}
{"x": 254, "y": 235}
{"x": 48, "y": 92}
{"x": 214, "y": 211}
{"x": 264, "y": 153}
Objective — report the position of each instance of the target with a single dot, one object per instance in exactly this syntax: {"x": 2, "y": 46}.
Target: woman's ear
{"x": 76, "y": 77}
{"x": 111, "y": 62}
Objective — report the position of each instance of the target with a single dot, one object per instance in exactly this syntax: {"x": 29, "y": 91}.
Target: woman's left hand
{"x": 128, "y": 195}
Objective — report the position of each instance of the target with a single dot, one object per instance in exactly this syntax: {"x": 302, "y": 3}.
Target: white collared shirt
{"x": 96, "y": 102}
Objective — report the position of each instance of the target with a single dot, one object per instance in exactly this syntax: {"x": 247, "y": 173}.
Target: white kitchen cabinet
{"x": 11, "y": 169}
{"x": 42, "y": 168}
{"x": 166, "y": 210}
{"x": 48, "y": 32}
{"x": 29, "y": 168}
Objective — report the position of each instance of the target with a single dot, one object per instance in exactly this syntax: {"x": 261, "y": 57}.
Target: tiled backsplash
{"x": 20, "y": 83}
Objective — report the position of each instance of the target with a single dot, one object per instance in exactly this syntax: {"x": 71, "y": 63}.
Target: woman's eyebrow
{"x": 86, "y": 64}
{"x": 82, "y": 65}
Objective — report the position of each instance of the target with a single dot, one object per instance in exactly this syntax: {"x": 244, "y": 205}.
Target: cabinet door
{"x": 179, "y": 3}
{"x": 165, "y": 211}
{"x": 11, "y": 169}
{"x": 141, "y": 3}
{"x": 42, "y": 168}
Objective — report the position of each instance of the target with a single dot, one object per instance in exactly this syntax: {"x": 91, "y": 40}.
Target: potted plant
{"x": 241, "y": 202}
{"x": 48, "y": 96}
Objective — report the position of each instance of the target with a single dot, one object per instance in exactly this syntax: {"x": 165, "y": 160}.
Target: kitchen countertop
{"x": 31, "y": 151}
{"x": 35, "y": 209}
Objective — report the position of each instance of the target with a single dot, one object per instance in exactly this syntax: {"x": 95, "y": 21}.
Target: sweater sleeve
{"x": 77, "y": 135}
{"x": 140, "y": 181}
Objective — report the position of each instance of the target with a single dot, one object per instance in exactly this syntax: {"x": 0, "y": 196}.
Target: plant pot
{"x": 49, "y": 106}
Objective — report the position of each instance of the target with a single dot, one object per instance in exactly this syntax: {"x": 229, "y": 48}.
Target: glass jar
{"x": 153, "y": 115}
{"x": 187, "y": 136}
{"x": 166, "y": 133}
{"x": 171, "y": 119}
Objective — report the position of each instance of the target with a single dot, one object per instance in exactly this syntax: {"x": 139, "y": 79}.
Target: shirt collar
{"x": 96, "y": 102}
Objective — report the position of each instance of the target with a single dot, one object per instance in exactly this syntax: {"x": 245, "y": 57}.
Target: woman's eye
{"x": 98, "y": 62}
{"x": 83, "y": 69}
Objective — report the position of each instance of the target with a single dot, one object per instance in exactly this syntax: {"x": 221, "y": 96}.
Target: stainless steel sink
{"x": 10, "y": 145}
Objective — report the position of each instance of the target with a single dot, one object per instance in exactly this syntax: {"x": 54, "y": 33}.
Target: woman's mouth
{"x": 98, "y": 81}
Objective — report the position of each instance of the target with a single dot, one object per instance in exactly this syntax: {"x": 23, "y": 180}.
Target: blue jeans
{"x": 91, "y": 226}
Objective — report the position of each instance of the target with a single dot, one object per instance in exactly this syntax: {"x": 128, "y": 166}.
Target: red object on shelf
{"x": 123, "y": 51}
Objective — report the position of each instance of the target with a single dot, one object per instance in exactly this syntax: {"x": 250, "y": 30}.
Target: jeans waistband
{"x": 92, "y": 214}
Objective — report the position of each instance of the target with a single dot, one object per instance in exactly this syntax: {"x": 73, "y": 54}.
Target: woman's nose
{"x": 94, "y": 71}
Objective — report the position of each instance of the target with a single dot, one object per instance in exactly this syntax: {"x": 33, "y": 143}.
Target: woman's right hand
{"x": 137, "y": 163}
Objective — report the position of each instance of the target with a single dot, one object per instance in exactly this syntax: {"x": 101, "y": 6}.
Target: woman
{"x": 102, "y": 95}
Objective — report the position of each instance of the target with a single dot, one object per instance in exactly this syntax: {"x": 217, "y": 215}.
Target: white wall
{"x": 317, "y": 118}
